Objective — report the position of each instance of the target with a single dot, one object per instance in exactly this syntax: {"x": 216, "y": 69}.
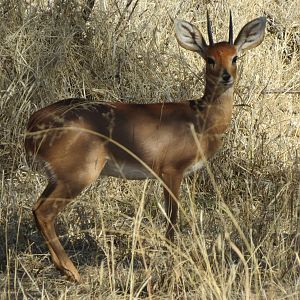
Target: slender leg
{"x": 49, "y": 189}
{"x": 71, "y": 179}
{"x": 45, "y": 212}
{"x": 173, "y": 182}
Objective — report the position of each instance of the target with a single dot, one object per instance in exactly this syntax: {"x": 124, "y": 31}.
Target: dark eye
{"x": 234, "y": 60}
{"x": 210, "y": 61}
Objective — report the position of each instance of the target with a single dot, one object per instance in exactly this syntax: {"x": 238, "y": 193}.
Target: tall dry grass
{"x": 238, "y": 236}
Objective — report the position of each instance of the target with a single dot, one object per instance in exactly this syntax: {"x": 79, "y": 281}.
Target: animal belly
{"x": 126, "y": 171}
{"x": 194, "y": 167}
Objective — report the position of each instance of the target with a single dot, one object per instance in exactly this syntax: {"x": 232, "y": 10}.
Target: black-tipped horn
{"x": 230, "y": 41}
{"x": 209, "y": 32}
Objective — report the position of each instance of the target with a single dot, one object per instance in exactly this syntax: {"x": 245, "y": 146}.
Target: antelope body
{"x": 78, "y": 141}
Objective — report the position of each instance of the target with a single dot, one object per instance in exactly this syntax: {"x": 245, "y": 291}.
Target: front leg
{"x": 172, "y": 181}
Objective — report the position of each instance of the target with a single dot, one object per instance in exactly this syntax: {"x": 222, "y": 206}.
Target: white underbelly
{"x": 126, "y": 171}
{"x": 137, "y": 171}
{"x": 195, "y": 167}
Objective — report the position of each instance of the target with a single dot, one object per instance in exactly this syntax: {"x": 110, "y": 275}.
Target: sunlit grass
{"x": 238, "y": 233}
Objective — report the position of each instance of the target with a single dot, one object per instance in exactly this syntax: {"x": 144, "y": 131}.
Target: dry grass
{"x": 238, "y": 236}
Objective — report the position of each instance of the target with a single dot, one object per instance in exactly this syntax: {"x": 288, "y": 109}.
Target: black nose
{"x": 226, "y": 76}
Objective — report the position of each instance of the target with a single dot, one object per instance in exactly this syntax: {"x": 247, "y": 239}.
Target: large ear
{"x": 189, "y": 37}
{"x": 251, "y": 35}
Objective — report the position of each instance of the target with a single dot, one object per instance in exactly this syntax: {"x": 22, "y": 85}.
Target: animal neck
{"x": 218, "y": 96}
{"x": 215, "y": 108}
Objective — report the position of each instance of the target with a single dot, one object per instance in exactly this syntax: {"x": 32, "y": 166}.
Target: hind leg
{"x": 45, "y": 211}
{"x": 70, "y": 179}
{"x": 49, "y": 189}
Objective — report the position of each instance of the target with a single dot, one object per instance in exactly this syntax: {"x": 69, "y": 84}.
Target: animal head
{"x": 221, "y": 58}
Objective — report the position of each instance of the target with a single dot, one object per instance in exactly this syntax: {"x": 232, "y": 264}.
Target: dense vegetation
{"x": 238, "y": 236}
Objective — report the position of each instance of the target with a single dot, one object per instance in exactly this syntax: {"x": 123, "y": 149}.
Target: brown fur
{"x": 78, "y": 141}
{"x": 74, "y": 139}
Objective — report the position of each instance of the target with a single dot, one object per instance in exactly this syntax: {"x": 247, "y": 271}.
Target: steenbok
{"x": 78, "y": 141}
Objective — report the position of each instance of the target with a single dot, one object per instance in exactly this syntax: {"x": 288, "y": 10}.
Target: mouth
{"x": 227, "y": 83}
